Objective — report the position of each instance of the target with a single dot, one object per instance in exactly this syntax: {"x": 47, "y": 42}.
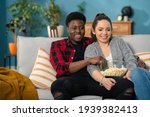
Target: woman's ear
{"x": 67, "y": 29}
{"x": 93, "y": 31}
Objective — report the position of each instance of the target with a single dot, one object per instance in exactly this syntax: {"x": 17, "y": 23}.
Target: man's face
{"x": 76, "y": 30}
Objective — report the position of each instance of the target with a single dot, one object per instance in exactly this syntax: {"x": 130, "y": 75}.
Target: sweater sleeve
{"x": 129, "y": 59}
{"x": 90, "y": 52}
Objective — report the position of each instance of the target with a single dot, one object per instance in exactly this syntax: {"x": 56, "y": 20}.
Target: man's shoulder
{"x": 62, "y": 41}
{"x": 88, "y": 40}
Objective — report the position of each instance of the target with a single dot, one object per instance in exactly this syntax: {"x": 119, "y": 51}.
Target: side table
{"x": 9, "y": 58}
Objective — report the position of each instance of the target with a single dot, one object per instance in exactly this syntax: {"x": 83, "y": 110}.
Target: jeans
{"x": 141, "y": 80}
{"x": 65, "y": 88}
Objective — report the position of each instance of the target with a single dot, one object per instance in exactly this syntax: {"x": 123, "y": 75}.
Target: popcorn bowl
{"x": 114, "y": 71}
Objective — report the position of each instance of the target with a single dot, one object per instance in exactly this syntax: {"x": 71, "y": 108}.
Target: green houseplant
{"x": 23, "y": 19}
{"x": 52, "y": 14}
{"x": 81, "y": 7}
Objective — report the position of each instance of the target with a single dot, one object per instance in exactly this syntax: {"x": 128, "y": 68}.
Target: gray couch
{"x": 28, "y": 48}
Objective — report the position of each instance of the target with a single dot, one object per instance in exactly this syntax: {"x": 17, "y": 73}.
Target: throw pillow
{"x": 145, "y": 57}
{"x": 43, "y": 74}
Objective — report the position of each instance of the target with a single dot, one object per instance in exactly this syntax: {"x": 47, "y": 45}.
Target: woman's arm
{"x": 94, "y": 69}
{"x": 128, "y": 56}
{"x": 108, "y": 83}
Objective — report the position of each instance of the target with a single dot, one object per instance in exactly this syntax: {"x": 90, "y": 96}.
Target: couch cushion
{"x": 43, "y": 73}
{"x": 44, "y": 94}
{"x": 138, "y": 43}
{"x": 88, "y": 97}
{"x": 27, "y": 48}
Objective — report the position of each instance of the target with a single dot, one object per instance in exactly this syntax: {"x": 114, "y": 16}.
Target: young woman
{"x": 112, "y": 49}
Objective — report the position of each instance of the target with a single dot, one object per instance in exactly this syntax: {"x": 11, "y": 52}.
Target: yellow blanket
{"x": 14, "y": 86}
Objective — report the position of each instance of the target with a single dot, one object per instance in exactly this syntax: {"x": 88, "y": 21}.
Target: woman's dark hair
{"x": 99, "y": 17}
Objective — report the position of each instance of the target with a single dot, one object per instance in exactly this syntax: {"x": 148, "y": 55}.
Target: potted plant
{"x": 23, "y": 18}
{"x": 52, "y": 15}
{"x": 81, "y": 7}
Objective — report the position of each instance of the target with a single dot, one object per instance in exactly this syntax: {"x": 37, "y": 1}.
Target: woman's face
{"x": 76, "y": 30}
{"x": 103, "y": 31}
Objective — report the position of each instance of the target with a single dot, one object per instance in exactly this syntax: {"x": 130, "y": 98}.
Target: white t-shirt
{"x": 109, "y": 60}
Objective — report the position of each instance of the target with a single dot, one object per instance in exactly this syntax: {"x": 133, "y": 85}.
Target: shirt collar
{"x": 70, "y": 44}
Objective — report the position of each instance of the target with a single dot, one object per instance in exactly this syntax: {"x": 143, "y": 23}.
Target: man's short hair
{"x": 75, "y": 16}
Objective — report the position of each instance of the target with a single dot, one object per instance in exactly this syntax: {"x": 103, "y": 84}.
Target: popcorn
{"x": 114, "y": 71}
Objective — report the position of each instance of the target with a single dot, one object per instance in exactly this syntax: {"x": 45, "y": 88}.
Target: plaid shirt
{"x": 62, "y": 54}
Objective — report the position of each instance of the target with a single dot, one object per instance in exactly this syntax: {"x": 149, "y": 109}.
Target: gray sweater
{"x": 120, "y": 51}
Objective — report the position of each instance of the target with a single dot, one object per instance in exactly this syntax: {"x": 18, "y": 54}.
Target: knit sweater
{"x": 121, "y": 54}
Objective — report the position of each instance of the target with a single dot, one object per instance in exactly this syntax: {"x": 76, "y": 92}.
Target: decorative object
{"x": 13, "y": 48}
{"x": 13, "y": 45}
{"x": 119, "y": 18}
{"x": 52, "y": 15}
{"x": 43, "y": 73}
{"x": 126, "y": 13}
{"x": 55, "y": 31}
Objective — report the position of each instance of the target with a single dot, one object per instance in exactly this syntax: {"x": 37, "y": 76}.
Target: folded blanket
{"x": 14, "y": 86}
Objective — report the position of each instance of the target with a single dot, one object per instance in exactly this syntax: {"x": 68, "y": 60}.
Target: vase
{"x": 60, "y": 30}
{"x": 13, "y": 48}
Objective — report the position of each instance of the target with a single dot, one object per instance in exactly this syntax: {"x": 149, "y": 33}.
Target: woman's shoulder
{"x": 117, "y": 39}
{"x": 92, "y": 45}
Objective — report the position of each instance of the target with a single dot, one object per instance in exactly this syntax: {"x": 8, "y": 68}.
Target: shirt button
{"x": 72, "y": 57}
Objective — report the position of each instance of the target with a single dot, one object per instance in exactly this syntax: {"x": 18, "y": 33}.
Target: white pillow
{"x": 145, "y": 56}
{"x": 43, "y": 74}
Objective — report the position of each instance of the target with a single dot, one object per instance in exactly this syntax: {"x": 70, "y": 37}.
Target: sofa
{"x": 27, "y": 48}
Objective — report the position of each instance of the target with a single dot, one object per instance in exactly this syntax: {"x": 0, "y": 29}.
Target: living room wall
{"x": 3, "y": 41}
{"x": 140, "y": 18}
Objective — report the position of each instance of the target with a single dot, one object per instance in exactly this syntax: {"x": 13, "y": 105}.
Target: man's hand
{"x": 98, "y": 60}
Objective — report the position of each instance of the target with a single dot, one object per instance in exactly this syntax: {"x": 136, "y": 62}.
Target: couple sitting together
{"x": 79, "y": 60}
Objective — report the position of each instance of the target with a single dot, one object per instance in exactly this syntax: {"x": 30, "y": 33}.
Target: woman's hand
{"x": 128, "y": 75}
{"x": 108, "y": 83}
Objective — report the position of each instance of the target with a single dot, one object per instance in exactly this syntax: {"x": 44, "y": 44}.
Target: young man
{"x": 67, "y": 58}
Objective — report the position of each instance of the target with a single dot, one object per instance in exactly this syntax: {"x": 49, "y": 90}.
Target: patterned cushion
{"x": 43, "y": 73}
{"x": 145, "y": 56}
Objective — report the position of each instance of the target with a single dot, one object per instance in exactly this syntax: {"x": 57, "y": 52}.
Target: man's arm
{"x": 76, "y": 66}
